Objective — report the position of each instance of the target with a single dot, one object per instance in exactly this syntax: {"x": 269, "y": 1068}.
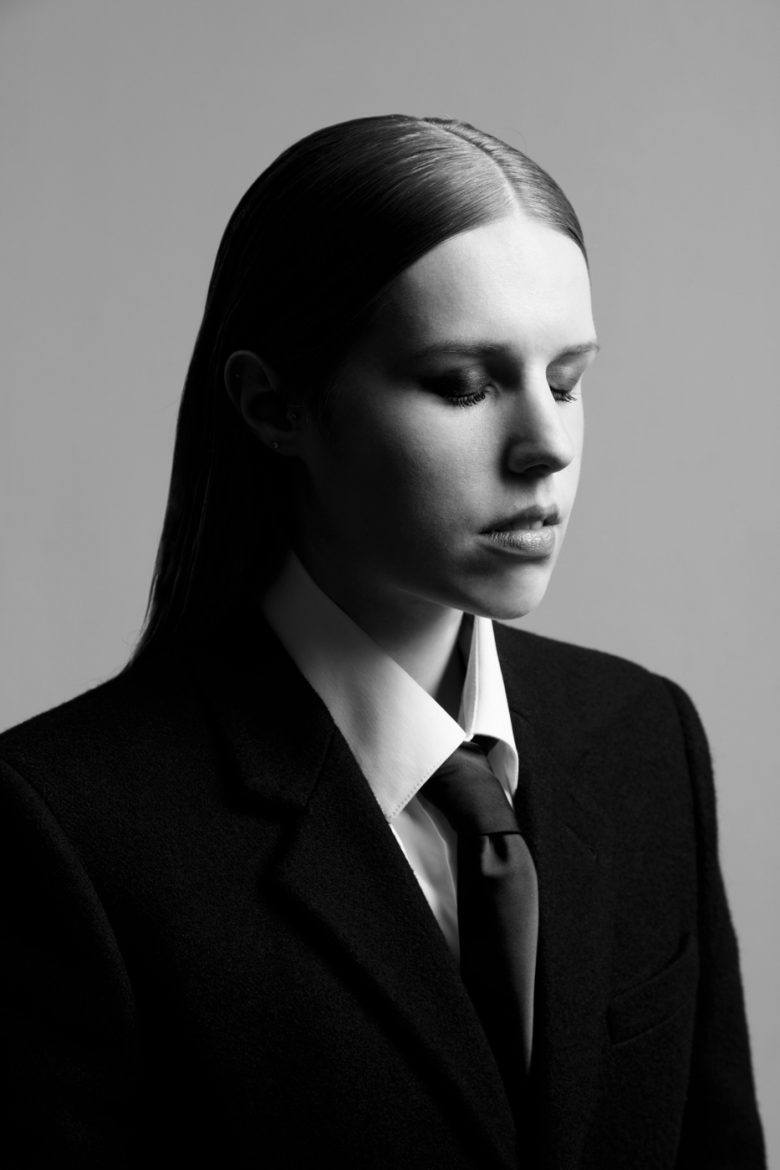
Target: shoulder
{"x": 635, "y": 726}
{"x": 158, "y": 735}
{"x": 588, "y": 689}
{"x": 133, "y": 694}
{"x": 552, "y": 654}
{"x": 121, "y": 731}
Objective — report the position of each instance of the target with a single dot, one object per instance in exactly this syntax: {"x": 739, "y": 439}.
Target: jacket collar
{"x": 348, "y": 883}
{"x": 344, "y": 879}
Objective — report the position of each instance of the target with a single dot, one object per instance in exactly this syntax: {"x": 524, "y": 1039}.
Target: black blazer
{"x": 219, "y": 955}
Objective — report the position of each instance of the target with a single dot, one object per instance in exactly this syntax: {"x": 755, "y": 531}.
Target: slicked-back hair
{"x": 303, "y": 263}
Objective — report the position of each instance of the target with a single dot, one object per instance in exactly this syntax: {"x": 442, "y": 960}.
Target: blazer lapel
{"x": 347, "y": 883}
{"x": 568, "y": 831}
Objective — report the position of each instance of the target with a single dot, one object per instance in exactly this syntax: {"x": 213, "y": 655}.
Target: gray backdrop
{"x": 129, "y": 130}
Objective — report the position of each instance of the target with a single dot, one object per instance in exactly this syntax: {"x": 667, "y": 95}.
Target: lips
{"x": 526, "y": 520}
{"x": 528, "y": 535}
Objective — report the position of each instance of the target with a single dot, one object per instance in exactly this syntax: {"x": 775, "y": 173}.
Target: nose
{"x": 545, "y": 432}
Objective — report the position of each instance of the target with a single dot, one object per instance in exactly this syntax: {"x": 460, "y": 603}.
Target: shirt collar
{"x": 397, "y": 732}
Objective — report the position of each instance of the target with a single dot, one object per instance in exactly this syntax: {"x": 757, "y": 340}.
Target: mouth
{"x": 530, "y": 534}
{"x": 526, "y": 520}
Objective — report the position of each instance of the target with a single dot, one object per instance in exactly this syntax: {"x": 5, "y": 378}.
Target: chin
{"x": 507, "y": 611}
{"x": 505, "y": 600}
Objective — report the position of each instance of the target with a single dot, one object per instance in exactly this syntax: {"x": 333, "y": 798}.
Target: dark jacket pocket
{"x": 642, "y": 1008}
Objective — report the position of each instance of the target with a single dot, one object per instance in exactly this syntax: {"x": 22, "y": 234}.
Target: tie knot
{"x": 469, "y": 794}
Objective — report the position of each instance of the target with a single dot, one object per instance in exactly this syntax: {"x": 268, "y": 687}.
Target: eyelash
{"x": 563, "y": 395}
{"x": 475, "y": 397}
{"x": 472, "y": 399}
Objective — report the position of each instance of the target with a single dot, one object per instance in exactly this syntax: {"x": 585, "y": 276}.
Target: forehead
{"x": 515, "y": 281}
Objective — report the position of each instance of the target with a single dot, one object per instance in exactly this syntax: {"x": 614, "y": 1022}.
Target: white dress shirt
{"x": 396, "y": 731}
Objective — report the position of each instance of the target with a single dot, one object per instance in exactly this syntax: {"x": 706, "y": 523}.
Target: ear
{"x": 254, "y": 390}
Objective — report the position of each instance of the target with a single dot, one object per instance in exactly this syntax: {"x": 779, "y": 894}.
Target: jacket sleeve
{"x": 721, "y": 1128}
{"x": 67, "y": 1009}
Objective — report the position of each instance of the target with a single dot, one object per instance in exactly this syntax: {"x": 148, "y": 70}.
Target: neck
{"x": 426, "y": 644}
{"x": 420, "y": 635}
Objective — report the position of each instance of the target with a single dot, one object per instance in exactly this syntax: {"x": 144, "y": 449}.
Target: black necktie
{"x": 498, "y": 905}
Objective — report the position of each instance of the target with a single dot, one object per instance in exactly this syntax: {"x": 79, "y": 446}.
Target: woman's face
{"x": 449, "y": 469}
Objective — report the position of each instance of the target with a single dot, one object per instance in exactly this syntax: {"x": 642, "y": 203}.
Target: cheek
{"x": 420, "y": 470}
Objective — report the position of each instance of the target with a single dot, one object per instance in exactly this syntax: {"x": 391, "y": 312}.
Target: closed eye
{"x": 460, "y": 387}
{"x": 468, "y": 399}
{"x": 562, "y": 394}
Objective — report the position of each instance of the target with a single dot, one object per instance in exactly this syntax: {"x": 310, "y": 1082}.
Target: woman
{"x": 242, "y": 931}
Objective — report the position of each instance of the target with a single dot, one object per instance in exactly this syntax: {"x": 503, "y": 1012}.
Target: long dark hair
{"x": 305, "y": 257}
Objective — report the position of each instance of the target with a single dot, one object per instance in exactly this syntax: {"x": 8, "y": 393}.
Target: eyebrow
{"x": 494, "y": 349}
